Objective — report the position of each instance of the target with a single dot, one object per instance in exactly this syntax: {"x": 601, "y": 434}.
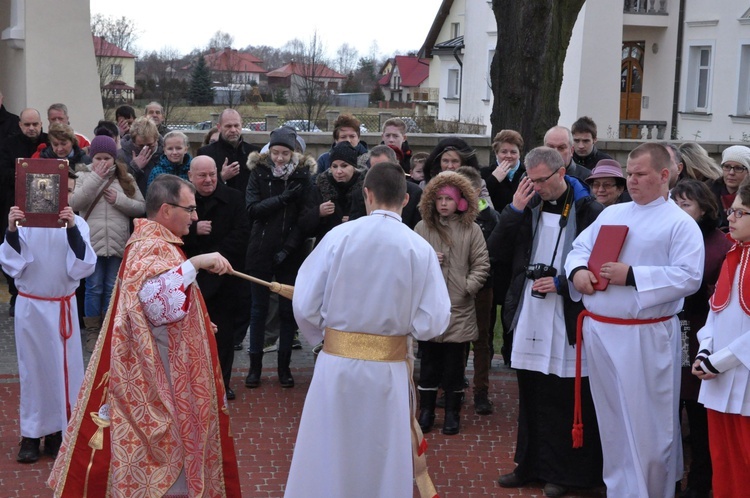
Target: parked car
{"x": 255, "y": 126}
{"x": 411, "y": 125}
{"x": 204, "y": 125}
{"x": 302, "y": 125}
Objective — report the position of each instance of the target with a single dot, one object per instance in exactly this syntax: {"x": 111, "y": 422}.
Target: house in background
{"x": 298, "y": 79}
{"x": 402, "y": 78}
{"x": 116, "y": 70}
{"x": 622, "y": 67}
{"x": 32, "y": 35}
{"x": 230, "y": 66}
{"x": 236, "y": 75}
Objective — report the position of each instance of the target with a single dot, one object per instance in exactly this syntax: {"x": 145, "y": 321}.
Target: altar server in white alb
{"x": 723, "y": 360}
{"x": 632, "y": 336}
{"x": 368, "y": 288}
{"x": 47, "y": 265}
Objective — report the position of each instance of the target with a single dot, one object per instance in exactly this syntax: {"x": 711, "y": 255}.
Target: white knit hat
{"x": 737, "y": 153}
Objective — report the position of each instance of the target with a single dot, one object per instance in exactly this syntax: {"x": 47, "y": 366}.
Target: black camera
{"x": 537, "y": 271}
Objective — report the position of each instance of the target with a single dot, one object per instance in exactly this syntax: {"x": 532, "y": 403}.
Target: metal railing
{"x": 658, "y": 7}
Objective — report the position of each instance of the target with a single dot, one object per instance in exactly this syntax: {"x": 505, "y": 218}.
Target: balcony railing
{"x": 654, "y": 7}
{"x": 643, "y": 130}
{"x": 426, "y": 94}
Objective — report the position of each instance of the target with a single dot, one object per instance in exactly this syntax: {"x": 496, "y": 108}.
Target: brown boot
{"x": 93, "y": 325}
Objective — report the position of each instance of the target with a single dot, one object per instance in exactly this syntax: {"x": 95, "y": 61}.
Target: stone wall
{"x": 318, "y": 143}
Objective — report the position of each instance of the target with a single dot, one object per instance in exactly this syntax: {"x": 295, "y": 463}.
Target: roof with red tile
{"x": 233, "y": 60}
{"x": 102, "y": 48}
{"x": 320, "y": 71}
{"x": 413, "y": 71}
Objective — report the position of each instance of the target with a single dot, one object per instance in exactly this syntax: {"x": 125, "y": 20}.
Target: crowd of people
{"x": 616, "y": 352}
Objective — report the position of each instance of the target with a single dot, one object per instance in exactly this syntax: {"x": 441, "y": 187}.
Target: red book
{"x": 606, "y": 249}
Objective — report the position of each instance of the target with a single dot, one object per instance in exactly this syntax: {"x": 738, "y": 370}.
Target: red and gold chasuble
{"x": 133, "y": 430}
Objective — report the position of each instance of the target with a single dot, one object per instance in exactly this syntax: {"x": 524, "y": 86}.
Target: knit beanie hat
{"x": 285, "y": 136}
{"x": 454, "y": 193}
{"x": 737, "y": 153}
{"x": 103, "y": 144}
{"x": 343, "y": 151}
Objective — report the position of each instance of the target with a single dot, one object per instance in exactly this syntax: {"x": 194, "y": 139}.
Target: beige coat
{"x": 466, "y": 263}
{"x": 109, "y": 223}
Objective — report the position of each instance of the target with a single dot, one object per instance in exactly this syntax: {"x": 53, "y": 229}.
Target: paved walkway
{"x": 265, "y": 423}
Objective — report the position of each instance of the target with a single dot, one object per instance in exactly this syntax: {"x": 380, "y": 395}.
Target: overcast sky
{"x": 396, "y": 25}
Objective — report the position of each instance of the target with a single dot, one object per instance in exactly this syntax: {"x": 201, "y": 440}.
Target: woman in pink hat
{"x": 607, "y": 182}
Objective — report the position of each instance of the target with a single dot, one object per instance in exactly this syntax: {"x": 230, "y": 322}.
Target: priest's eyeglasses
{"x": 539, "y": 181}
{"x": 189, "y": 209}
{"x": 738, "y": 213}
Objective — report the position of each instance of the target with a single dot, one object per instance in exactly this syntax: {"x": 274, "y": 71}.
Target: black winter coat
{"x": 511, "y": 244}
{"x": 222, "y": 150}
{"x": 590, "y": 161}
{"x": 276, "y": 225}
{"x": 15, "y": 147}
{"x": 230, "y": 232}
{"x": 326, "y": 189}
{"x": 8, "y": 125}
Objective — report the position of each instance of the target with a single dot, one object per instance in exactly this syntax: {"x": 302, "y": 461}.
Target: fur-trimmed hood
{"x": 427, "y": 205}
{"x": 303, "y": 161}
{"x": 328, "y": 187}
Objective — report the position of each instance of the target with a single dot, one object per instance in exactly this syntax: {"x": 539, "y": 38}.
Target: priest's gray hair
{"x": 165, "y": 189}
{"x": 543, "y": 155}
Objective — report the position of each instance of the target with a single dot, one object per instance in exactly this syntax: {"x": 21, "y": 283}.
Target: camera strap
{"x": 563, "y": 221}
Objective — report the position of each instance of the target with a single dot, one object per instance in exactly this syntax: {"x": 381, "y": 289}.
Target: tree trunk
{"x": 527, "y": 69}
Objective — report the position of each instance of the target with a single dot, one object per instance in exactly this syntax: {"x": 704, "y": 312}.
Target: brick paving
{"x": 265, "y": 421}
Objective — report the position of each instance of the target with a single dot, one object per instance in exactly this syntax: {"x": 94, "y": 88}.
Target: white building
{"x": 632, "y": 78}
{"x": 47, "y": 56}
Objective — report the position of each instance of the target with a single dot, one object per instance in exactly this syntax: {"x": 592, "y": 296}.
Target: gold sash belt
{"x": 370, "y": 347}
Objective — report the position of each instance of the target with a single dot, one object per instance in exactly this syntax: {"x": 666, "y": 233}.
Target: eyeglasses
{"x": 189, "y": 209}
{"x": 604, "y": 185}
{"x": 539, "y": 181}
{"x": 738, "y": 213}
{"x": 733, "y": 169}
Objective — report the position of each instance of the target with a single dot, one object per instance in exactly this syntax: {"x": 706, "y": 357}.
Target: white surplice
{"x": 46, "y": 267}
{"x": 540, "y": 342}
{"x": 371, "y": 275}
{"x": 634, "y": 370}
{"x": 727, "y": 335}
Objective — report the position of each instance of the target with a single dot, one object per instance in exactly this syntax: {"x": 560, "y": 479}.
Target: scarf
{"x": 739, "y": 254}
{"x": 284, "y": 171}
{"x": 512, "y": 171}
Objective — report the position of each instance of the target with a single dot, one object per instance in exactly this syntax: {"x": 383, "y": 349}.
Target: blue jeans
{"x": 258, "y": 315}
{"x": 99, "y": 285}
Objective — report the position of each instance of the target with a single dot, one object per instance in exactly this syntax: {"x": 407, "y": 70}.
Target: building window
{"x": 453, "y": 84}
{"x": 455, "y": 29}
{"x": 743, "y": 95}
{"x": 700, "y": 62}
{"x": 116, "y": 69}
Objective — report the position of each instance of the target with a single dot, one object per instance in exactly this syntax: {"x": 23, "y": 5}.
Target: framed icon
{"x": 42, "y": 191}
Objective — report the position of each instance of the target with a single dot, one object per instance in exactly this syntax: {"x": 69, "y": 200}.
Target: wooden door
{"x": 631, "y": 83}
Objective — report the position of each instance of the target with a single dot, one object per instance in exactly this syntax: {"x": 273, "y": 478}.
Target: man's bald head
{"x": 30, "y": 123}
{"x": 203, "y": 175}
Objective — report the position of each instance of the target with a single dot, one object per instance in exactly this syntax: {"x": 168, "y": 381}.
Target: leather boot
{"x": 427, "y": 410}
{"x": 452, "y": 422}
{"x": 285, "y": 375}
{"x": 256, "y": 365}
{"x": 93, "y": 325}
